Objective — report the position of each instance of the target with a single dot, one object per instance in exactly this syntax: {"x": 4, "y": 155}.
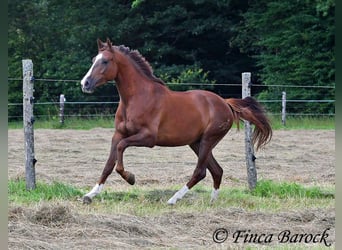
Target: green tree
{"x": 194, "y": 32}
{"x": 186, "y": 40}
{"x": 60, "y": 38}
{"x": 293, "y": 42}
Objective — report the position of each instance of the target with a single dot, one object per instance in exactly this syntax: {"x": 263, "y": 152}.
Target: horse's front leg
{"x": 108, "y": 169}
{"x": 142, "y": 139}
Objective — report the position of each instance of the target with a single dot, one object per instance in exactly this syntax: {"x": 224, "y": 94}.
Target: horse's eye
{"x": 105, "y": 62}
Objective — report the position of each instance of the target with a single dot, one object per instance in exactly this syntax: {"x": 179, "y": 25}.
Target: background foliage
{"x": 281, "y": 42}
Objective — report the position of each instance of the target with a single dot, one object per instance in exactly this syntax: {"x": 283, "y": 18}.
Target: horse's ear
{"x": 109, "y": 44}
{"x": 99, "y": 44}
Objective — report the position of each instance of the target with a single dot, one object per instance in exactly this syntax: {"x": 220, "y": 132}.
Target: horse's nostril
{"x": 87, "y": 85}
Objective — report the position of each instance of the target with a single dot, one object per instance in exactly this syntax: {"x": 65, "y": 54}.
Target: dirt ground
{"x": 77, "y": 158}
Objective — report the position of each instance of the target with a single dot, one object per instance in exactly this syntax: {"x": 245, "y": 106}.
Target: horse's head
{"x": 104, "y": 68}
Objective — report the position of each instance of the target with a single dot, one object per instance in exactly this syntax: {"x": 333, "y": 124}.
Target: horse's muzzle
{"x": 87, "y": 86}
{"x": 88, "y": 91}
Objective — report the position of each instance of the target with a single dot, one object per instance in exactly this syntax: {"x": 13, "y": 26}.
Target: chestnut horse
{"x": 150, "y": 114}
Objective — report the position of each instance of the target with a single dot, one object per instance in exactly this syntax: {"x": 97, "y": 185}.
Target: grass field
{"x": 105, "y": 122}
{"x": 300, "y": 196}
{"x": 56, "y": 209}
{"x": 267, "y": 195}
{"x": 141, "y": 201}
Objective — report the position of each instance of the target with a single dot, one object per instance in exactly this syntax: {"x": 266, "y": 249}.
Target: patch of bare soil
{"x": 77, "y": 158}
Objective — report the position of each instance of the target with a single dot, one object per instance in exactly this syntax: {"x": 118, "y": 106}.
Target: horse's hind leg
{"x": 204, "y": 151}
{"x": 215, "y": 170}
{"x": 108, "y": 169}
{"x": 203, "y": 148}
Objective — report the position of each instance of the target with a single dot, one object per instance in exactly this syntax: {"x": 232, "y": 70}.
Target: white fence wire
{"x": 108, "y": 108}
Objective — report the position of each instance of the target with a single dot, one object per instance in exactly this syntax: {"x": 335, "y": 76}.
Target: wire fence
{"x": 105, "y": 105}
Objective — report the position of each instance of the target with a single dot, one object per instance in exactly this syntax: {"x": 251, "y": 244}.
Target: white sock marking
{"x": 95, "y": 191}
{"x": 178, "y": 195}
{"x": 214, "y": 195}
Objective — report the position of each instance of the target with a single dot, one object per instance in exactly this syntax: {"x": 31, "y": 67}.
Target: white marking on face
{"x": 97, "y": 58}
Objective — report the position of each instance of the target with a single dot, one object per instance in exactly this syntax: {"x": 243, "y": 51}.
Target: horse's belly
{"x": 173, "y": 141}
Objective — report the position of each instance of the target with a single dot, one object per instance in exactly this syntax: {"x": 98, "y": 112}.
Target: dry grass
{"x": 76, "y": 158}
{"x": 62, "y": 226}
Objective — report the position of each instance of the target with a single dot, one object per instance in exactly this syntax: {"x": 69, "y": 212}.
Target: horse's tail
{"x": 249, "y": 109}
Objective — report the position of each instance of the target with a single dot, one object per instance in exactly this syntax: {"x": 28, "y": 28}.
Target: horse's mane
{"x": 141, "y": 62}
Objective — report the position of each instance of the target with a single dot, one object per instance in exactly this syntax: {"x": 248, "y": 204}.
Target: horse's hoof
{"x": 130, "y": 178}
{"x": 87, "y": 200}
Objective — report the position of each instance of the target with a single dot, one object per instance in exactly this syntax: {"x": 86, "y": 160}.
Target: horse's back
{"x": 208, "y": 103}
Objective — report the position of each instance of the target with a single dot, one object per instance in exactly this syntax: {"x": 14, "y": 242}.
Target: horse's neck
{"x": 131, "y": 84}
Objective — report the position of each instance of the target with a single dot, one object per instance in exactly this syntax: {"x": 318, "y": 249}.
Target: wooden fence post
{"x": 28, "y": 99}
{"x": 283, "y": 108}
{"x": 250, "y": 158}
{"x": 61, "y": 108}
